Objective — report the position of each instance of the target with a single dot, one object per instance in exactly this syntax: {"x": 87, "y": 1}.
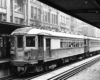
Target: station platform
{"x": 51, "y": 75}
{"x": 4, "y": 60}
{"x": 4, "y": 68}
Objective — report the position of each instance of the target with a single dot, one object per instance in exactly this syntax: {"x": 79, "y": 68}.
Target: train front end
{"x": 23, "y": 52}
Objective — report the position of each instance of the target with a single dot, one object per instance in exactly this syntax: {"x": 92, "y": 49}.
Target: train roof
{"x": 93, "y": 38}
{"x": 31, "y": 30}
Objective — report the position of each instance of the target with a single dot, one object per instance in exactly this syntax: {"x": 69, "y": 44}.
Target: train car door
{"x": 40, "y": 47}
{"x": 86, "y": 46}
{"x": 48, "y": 46}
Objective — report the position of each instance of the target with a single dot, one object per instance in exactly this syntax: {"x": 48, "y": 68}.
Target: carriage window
{"x": 30, "y": 41}
{"x": 19, "y": 41}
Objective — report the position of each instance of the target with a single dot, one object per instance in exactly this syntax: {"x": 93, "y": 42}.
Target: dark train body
{"x": 35, "y": 50}
{"x": 4, "y": 46}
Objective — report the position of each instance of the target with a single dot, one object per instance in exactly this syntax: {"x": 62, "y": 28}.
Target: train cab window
{"x": 20, "y": 41}
{"x": 30, "y": 41}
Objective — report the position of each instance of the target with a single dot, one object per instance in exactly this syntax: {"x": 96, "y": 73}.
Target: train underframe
{"x": 49, "y": 65}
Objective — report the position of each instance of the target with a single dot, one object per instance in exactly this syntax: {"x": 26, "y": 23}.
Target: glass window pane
{"x": 18, "y": 5}
{"x": 30, "y": 41}
{"x": 19, "y": 41}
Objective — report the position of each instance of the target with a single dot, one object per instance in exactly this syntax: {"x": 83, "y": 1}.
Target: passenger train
{"x": 35, "y": 50}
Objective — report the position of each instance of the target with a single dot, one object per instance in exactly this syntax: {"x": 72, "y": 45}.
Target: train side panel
{"x": 94, "y": 45}
{"x": 56, "y": 52}
{"x": 96, "y": 48}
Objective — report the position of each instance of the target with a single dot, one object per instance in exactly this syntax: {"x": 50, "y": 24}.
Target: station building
{"x": 33, "y": 13}
{"x": 36, "y": 14}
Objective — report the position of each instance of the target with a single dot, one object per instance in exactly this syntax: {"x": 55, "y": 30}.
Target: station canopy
{"x": 85, "y": 10}
{"x": 8, "y": 28}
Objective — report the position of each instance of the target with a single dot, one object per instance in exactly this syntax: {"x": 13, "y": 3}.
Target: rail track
{"x": 60, "y": 76}
{"x": 74, "y": 70}
{"x": 70, "y": 71}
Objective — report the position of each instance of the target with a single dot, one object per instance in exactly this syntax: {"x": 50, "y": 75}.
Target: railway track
{"x": 59, "y": 76}
{"x": 74, "y": 70}
{"x": 69, "y": 71}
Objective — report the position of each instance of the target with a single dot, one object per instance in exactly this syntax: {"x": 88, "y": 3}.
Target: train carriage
{"x": 42, "y": 48}
{"x": 94, "y": 45}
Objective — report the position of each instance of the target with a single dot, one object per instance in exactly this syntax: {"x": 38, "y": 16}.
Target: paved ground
{"x": 91, "y": 73}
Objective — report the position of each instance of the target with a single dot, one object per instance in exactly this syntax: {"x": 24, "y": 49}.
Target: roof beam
{"x": 97, "y": 3}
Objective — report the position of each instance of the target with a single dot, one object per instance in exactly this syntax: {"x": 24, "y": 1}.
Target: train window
{"x": 20, "y": 41}
{"x": 64, "y": 44}
{"x": 79, "y": 43}
{"x": 74, "y": 44}
{"x": 69, "y": 44}
{"x": 30, "y": 41}
{"x": 61, "y": 44}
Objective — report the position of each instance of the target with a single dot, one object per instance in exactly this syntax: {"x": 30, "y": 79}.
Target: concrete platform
{"x": 4, "y": 68}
